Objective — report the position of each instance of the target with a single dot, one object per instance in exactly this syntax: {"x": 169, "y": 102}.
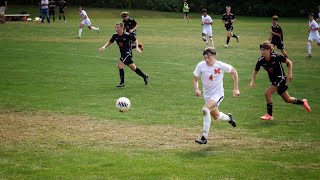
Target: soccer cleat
{"x": 146, "y": 79}
{"x": 225, "y": 45}
{"x": 121, "y": 85}
{"x": 141, "y": 46}
{"x": 266, "y": 117}
{"x": 232, "y": 121}
{"x": 238, "y": 38}
{"x": 202, "y": 140}
{"x": 78, "y": 36}
{"x": 305, "y": 104}
{"x": 98, "y": 30}
{"x": 309, "y": 56}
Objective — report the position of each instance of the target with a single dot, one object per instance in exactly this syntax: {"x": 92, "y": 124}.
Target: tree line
{"x": 284, "y": 8}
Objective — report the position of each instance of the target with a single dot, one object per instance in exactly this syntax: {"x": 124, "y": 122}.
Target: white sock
{"x": 206, "y": 122}
{"x": 309, "y": 47}
{"x": 223, "y": 117}
{"x": 212, "y": 43}
{"x": 80, "y": 31}
{"x": 94, "y": 28}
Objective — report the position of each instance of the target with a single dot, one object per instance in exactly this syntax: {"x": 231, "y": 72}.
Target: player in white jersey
{"x": 313, "y": 33}
{"x": 206, "y": 23}
{"x": 85, "y": 21}
{"x": 211, "y": 72}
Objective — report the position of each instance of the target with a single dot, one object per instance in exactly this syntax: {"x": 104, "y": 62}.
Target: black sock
{"x": 269, "y": 108}
{"x": 54, "y": 18}
{"x": 121, "y": 72}
{"x": 228, "y": 39}
{"x": 59, "y": 18}
{"x": 297, "y": 101}
{"x": 64, "y": 18}
{"x": 235, "y": 36}
{"x": 140, "y": 73}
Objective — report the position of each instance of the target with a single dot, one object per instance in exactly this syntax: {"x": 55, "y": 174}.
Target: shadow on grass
{"x": 201, "y": 152}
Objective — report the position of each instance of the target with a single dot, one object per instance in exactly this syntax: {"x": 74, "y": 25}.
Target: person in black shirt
{"x": 130, "y": 26}
{"x": 277, "y": 35}
{"x": 52, "y": 7}
{"x": 124, "y": 40}
{"x": 272, "y": 63}
{"x": 62, "y": 7}
{"x": 228, "y": 19}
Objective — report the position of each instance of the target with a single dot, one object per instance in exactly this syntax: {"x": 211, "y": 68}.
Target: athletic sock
{"x": 223, "y": 117}
{"x": 121, "y": 73}
{"x": 235, "y": 36}
{"x": 80, "y": 31}
{"x": 269, "y": 108}
{"x": 309, "y": 47}
{"x": 140, "y": 73}
{"x": 228, "y": 39}
{"x": 297, "y": 101}
{"x": 59, "y": 18}
{"x": 206, "y": 122}
{"x": 64, "y": 18}
{"x": 94, "y": 28}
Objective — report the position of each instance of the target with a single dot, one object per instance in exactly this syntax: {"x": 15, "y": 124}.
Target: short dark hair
{"x": 209, "y": 51}
{"x": 120, "y": 24}
{"x": 311, "y": 14}
{"x": 204, "y": 10}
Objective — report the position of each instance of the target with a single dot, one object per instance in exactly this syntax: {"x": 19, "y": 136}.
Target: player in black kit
{"x": 276, "y": 38}
{"x": 130, "y": 26}
{"x": 123, "y": 40}
{"x": 271, "y": 62}
{"x": 52, "y": 7}
{"x": 62, "y": 7}
{"x": 228, "y": 18}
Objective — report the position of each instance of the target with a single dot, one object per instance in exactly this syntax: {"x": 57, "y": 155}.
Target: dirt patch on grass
{"x": 52, "y": 130}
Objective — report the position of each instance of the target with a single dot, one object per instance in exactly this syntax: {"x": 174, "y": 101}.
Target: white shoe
{"x": 78, "y": 36}
{"x": 98, "y": 30}
{"x": 225, "y": 45}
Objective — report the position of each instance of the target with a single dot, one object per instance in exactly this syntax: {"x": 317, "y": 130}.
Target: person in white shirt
{"x": 211, "y": 71}
{"x": 44, "y": 10}
{"x": 313, "y": 33}
{"x": 85, "y": 21}
{"x": 206, "y": 23}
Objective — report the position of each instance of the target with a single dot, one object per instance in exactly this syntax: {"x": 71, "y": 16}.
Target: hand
{"x": 198, "y": 93}
{"x": 236, "y": 92}
{"x": 102, "y": 49}
{"x": 131, "y": 30}
{"x": 138, "y": 50}
{"x": 309, "y": 29}
{"x": 252, "y": 85}
{"x": 289, "y": 77}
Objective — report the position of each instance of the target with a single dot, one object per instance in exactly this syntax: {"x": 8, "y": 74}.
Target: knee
{"x": 205, "y": 111}
{"x": 204, "y": 37}
{"x": 215, "y": 116}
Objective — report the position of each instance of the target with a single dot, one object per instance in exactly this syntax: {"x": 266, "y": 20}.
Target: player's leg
{"x": 233, "y": 35}
{"x": 309, "y": 47}
{"x": 93, "y": 28}
{"x": 210, "y": 37}
{"x": 64, "y": 17}
{"x": 268, "y": 95}
{"x": 228, "y": 36}
{"x": 134, "y": 68}
{"x": 204, "y": 37}
{"x": 47, "y": 15}
{"x": 288, "y": 99}
{"x": 121, "y": 72}
{"x": 80, "y": 29}
{"x": 53, "y": 14}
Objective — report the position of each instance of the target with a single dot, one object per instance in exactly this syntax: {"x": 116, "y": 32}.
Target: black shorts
{"x": 61, "y": 10}
{"x": 126, "y": 60}
{"x": 186, "y": 13}
{"x": 279, "y": 44}
{"x": 281, "y": 85}
{"x": 51, "y": 12}
{"x": 229, "y": 28}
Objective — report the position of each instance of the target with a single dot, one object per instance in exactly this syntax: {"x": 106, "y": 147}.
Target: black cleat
{"x": 309, "y": 56}
{"x": 146, "y": 79}
{"x": 202, "y": 140}
{"x": 231, "y": 121}
{"x": 121, "y": 85}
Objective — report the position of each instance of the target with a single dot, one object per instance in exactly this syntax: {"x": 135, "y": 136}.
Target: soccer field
{"x": 57, "y": 102}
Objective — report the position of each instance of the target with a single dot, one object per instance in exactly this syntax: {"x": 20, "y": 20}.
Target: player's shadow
{"x": 267, "y": 123}
{"x": 203, "y": 152}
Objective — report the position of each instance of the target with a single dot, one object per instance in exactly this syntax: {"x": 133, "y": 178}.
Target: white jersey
{"x": 44, "y": 2}
{"x": 83, "y": 15}
{"x": 314, "y": 35}
{"x": 206, "y": 19}
{"x": 212, "y": 77}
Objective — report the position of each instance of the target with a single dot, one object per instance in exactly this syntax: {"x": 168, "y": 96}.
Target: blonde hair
{"x": 266, "y": 45}
{"x": 275, "y": 18}
{"x": 228, "y": 7}
{"x": 119, "y": 24}
{"x": 124, "y": 14}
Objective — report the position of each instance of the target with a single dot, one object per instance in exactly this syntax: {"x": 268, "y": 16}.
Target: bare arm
{"x": 137, "y": 47}
{"x": 105, "y": 46}
{"x": 289, "y": 64}
{"x": 235, "y": 77}
{"x": 253, "y": 78}
{"x": 196, "y": 86}
{"x": 133, "y": 29}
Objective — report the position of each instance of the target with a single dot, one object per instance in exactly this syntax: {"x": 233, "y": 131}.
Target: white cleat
{"x": 98, "y": 30}
{"x": 78, "y": 36}
{"x": 225, "y": 45}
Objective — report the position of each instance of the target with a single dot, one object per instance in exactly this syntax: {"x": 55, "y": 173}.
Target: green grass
{"x": 58, "y": 115}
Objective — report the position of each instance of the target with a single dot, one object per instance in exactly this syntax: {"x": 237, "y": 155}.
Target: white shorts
{"x": 218, "y": 98}
{"x": 207, "y": 31}
{"x": 2, "y": 10}
{"x": 86, "y": 22}
{"x": 314, "y": 38}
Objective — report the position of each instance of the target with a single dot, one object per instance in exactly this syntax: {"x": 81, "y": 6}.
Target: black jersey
{"x": 228, "y": 18}
{"x": 62, "y": 5}
{"x": 124, "y": 42}
{"x": 52, "y": 5}
{"x": 278, "y": 30}
{"x": 130, "y": 24}
{"x": 273, "y": 67}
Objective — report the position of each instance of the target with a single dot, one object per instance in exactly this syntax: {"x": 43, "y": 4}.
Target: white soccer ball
{"x": 123, "y": 104}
